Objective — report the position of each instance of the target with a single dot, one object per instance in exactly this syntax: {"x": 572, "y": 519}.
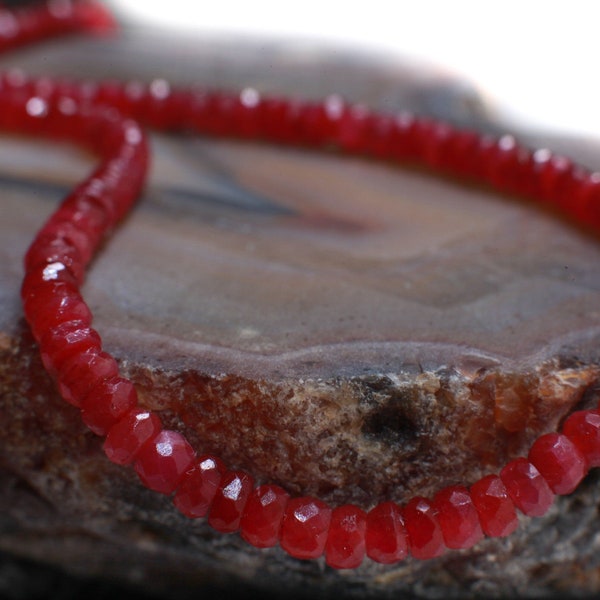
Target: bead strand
{"x": 499, "y": 162}
{"x": 95, "y": 116}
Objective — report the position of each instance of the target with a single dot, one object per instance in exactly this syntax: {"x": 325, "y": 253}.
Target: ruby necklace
{"x": 100, "y": 117}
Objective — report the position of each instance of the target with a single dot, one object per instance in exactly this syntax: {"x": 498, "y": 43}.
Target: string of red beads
{"x": 96, "y": 116}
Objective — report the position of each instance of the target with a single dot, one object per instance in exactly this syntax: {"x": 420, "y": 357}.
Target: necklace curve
{"x": 105, "y": 118}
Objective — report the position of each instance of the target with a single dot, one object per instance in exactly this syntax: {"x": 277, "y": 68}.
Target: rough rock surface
{"x": 338, "y": 327}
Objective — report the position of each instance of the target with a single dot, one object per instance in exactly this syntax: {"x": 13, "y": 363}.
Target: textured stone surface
{"x": 334, "y": 326}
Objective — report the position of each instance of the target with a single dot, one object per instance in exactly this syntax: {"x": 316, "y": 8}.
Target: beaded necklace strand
{"x": 100, "y": 117}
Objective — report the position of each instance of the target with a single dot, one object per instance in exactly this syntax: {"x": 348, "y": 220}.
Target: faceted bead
{"x": 73, "y": 236}
{"x": 423, "y": 527}
{"x": 386, "y": 539}
{"x": 527, "y": 488}
{"x": 46, "y": 279}
{"x": 559, "y": 461}
{"x": 403, "y": 142}
{"x": 64, "y": 341}
{"x": 458, "y": 517}
{"x": 496, "y": 510}
{"x": 107, "y": 403}
{"x": 459, "y": 156}
{"x": 345, "y": 547}
{"x": 78, "y": 375}
{"x": 585, "y": 204}
{"x": 229, "y": 501}
{"x": 305, "y": 526}
{"x": 263, "y": 515}
{"x": 583, "y": 429}
{"x": 380, "y": 133}
{"x": 433, "y": 142}
{"x": 129, "y": 435}
{"x": 60, "y": 308}
{"x": 199, "y": 486}
{"x": 47, "y": 248}
{"x": 353, "y": 129}
{"x": 162, "y": 462}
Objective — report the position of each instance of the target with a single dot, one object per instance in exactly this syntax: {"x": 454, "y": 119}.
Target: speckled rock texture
{"x": 336, "y": 326}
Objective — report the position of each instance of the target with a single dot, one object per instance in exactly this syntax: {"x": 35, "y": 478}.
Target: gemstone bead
{"x": 423, "y": 527}
{"x": 63, "y": 342}
{"x": 345, "y": 546}
{"x": 263, "y": 515}
{"x": 162, "y": 462}
{"x": 107, "y": 403}
{"x": 559, "y": 461}
{"x": 78, "y": 375}
{"x": 229, "y": 501}
{"x": 304, "y": 528}
{"x": 130, "y": 434}
{"x": 199, "y": 486}
{"x": 385, "y": 538}
{"x": 583, "y": 429}
{"x": 458, "y": 517}
{"x": 527, "y": 488}
{"x": 496, "y": 510}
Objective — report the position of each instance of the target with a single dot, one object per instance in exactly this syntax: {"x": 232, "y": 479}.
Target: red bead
{"x": 458, "y": 517}
{"x": 583, "y": 429}
{"x": 162, "y": 462}
{"x": 61, "y": 307}
{"x": 402, "y": 142}
{"x": 345, "y": 547}
{"x": 423, "y": 527}
{"x": 527, "y": 488}
{"x": 229, "y": 501}
{"x": 586, "y": 201}
{"x": 46, "y": 279}
{"x": 199, "y": 486}
{"x": 496, "y": 510}
{"x": 47, "y": 248}
{"x": 305, "y": 526}
{"x": 63, "y": 342}
{"x": 107, "y": 403}
{"x": 386, "y": 539}
{"x": 353, "y": 129}
{"x": 129, "y": 435}
{"x": 263, "y": 515}
{"x": 559, "y": 461}
{"x": 78, "y": 375}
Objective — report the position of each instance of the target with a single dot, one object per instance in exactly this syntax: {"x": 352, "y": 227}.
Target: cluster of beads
{"x": 99, "y": 117}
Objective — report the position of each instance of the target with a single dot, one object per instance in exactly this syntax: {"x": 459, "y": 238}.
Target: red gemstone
{"x": 496, "y": 510}
{"x": 527, "y": 488}
{"x": 345, "y": 547}
{"x": 385, "y": 538}
{"x": 129, "y": 435}
{"x": 63, "y": 342}
{"x": 199, "y": 486}
{"x": 402, "y": 138}
{"x": 458, "y": 517}
{"x": 46, "y": 279}
{"x": 305, "y": 526}
{"x": 423, "y": 527}
{"x": 353, "y": 129}
{"x": 60, "y": 308}
{"x": 229, "y": 501}
{"x": 263, "y": 515}
{"x": 583, "y": 429}
{"x": 162, "y": 462}
{"x": 559, "y": 461}
{"x": 107, "y": 403}
{"x": 47, "y": 248}
{"x": 78, "y": 375}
